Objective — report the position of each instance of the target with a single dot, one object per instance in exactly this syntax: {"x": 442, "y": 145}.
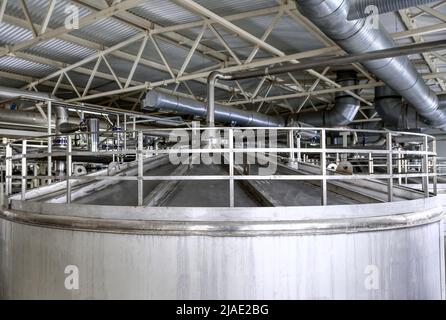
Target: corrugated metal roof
{"x": 288, "y": 36}
{"x": 61, "y": 50}
{"x": 24, "y": 67}
{"x": 38, "y": 10}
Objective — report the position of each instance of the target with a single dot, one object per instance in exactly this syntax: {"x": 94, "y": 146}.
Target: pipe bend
{"x": 210, "y": 107}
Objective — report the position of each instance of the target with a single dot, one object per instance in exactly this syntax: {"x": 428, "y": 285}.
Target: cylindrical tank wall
{"x": 399, "y": 263}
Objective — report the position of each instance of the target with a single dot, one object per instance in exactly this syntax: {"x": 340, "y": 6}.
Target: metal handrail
{"x": 428, "y": 156}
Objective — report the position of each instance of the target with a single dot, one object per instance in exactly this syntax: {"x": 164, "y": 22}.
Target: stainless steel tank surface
{"x": 382, "y": 251}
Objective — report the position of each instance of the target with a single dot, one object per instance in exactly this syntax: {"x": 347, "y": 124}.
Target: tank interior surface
{"x": 220, "y": 149}
{"x": 213, "y": 193}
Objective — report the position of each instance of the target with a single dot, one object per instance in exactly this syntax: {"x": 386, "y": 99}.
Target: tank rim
{"x": 229, "y": 228}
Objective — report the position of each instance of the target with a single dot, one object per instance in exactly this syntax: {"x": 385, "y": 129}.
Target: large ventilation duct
{"x": 363, "y": 8}
{"x": 161, "y": 101}
{"x": 360, "y": 36}
{"x": 344, "y": 111}
{"x": 63, "y": 124}
{"x": 11, "y": 93}
{"x": 442, "y": 101}
{"x": 22, "y": 117}
{"x": 395, "y": 114}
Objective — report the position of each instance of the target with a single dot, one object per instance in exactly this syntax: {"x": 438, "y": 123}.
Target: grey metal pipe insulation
{"x": 395, "y": 114}
{"x": 62, "y": 122}
{"x": 345, "y": 109}
{"x": 155, "y": 100}
{"x": 442, "y": 101}
{"x": 12, "y": 93}
{"x": 93, "y": 140}
{"x": 359, "y": 36}
{"x": 363, "y": 8}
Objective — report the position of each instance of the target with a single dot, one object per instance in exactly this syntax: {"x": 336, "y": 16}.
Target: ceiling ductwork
{"x": 395, "y": 115}
{"x": 363, "y": 8}
{"x": 169, "y": 103}
{"x": 63, "y": 124}
{"x": 12, "y": 93}
{"x": 360, "y": 36}
{"x": 345, "y": 110}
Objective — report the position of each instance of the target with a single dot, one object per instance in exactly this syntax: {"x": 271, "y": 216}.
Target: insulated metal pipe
{"x": 360, "y": 36}
{"x": 161, "y": 101}
{"x": 12, "y": 93}
{"x": 345, "y": 109}
{"x": 395, "y": 114}
{"x": 93, "y": 128}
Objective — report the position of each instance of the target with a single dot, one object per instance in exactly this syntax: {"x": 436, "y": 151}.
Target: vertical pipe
{"x": 24, "y": 170}
{"x": 69, "y": 169}
{"x": 140, "y": 169}
{"x": 93, "y": 128}
{"x": 324, "y": 166}
{"x": 390, "y": 167}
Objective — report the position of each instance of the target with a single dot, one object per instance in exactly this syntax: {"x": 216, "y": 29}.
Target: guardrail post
{"x": 134, "y": 127}
{"x": 2, "y": 196}
{"x": 324, "y": 167}
{"x": 8, "y": 169}
{"x": 425, "y": 169}
{"x": 390, "y": 167}
{"x": 434, "y": 167}
{"x": 69, "y": 168}
{"x": 24, "y": 170}
{"x": 125, "y": 132}
{"x": 399, "y": 167}
{"x": 50, "y": 142}
{"x": 140, "y": 169}
{"x": 231, "y": 169}
{"x": 291, "y": 145}
{"x": 371, "y": 167}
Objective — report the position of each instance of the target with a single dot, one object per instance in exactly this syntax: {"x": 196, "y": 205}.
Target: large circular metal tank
{"x": 380, "y": 251}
